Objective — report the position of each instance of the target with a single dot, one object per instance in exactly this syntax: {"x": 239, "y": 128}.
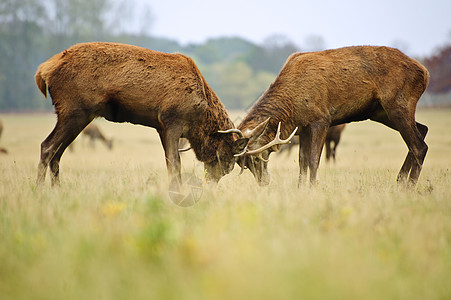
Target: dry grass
{"x": 110, "y": 231}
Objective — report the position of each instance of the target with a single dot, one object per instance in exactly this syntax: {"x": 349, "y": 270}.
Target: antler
{"x": 184, "y": 149}
{"x": 276, "y": 141}
{"x": 243, "y": 165}
{"x": 232, "y": 130}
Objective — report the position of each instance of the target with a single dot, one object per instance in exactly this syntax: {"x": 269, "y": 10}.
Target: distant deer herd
{"x": 313, "y": 92}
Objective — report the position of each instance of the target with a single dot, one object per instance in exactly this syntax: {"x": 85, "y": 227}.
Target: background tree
{"x": 236, "y": 83}
{"x": 272, "y": 54}
{"x": 20, "y": 34}
{"x": 238, "y": 70}
{"x": 71, "y": 21}
{"x": 313, "y": 43}
{"x": 439, "y": 66}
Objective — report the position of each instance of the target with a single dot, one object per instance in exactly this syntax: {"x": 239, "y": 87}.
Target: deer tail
{"x": 47, "y": 68}
{"x": 40, "y": 81}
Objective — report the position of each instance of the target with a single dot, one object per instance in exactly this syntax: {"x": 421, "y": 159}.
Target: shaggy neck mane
{"x": 275, "y": 105}
{"x": 204, "y": 137}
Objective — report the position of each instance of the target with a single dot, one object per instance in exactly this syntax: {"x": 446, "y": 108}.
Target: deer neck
{"x": 205, "y": 139}
{"x": 275, "y": 108}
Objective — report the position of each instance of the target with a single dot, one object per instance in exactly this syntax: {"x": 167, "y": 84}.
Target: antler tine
{"x": 276, "y": 141}
{"x": 286, "y": 141}
{"x": 243, "y": 166}
{"x": 241, "y": 153}
{"x": 241, "y": 171}
{"x": 278, "y": 132}
{"x": 232, "y": 130}
{"x": 261, "y": 157}
{"x": 184, "y": 149}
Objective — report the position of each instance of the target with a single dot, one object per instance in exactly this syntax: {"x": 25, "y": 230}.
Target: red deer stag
{"x": 125, "y": 83}
{"x": 316, "y": 90}
{"x": 93, "y": 132}
{"x": 333, "y": 136}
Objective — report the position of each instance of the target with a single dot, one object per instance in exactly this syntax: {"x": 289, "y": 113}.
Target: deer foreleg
{"x": 304, "y": 154}
{"x": 170, "y": 139}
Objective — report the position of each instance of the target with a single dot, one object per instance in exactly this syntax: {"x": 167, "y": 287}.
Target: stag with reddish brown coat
{"x": 316, "y": 90}
{"x": 125, "y": 83}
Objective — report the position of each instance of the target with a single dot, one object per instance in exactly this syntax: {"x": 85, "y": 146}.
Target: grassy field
{"x": 111, "y": 232}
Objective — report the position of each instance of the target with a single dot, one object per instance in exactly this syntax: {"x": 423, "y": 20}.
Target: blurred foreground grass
{"x": 110, "y": 231}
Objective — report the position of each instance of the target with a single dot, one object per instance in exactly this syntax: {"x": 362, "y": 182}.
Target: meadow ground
{"x": 111, "y": 232}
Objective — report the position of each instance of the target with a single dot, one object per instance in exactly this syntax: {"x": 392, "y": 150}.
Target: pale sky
{"x": 418, "y": 26}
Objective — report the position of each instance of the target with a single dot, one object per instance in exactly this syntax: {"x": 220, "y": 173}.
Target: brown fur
{"x": 320, "y": 89}
{"x": 125, "y": 83}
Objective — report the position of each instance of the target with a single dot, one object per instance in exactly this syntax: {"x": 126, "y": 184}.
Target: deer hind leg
{"x": 413, "y": 134}
{"x": 334, "y": 149}
{"x": 318, "y": 136}
{"x": 92, "y": 141}
{"x": 410, "y": 159}
{"x": 46, "y": 154}
{"x": 52, "y": 148}
{"x": 414, "y": 139}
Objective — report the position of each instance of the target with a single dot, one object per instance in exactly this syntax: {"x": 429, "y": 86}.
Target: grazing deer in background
{"x": 2, "y": 150}
{"x": 93, "y": 132}
{"x": 333, "y": 136}
{"x": 125, "y": 83}
{"x": 316, "y": 90}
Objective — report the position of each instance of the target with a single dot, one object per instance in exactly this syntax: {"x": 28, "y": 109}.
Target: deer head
{"x": 255, "y": 153}
{"x": 225, "y": 159}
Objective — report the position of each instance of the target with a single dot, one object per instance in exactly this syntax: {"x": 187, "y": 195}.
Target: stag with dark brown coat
{"x": 125, "y": 83}
{"x": 316, "y": 90}
{"x": 333, "y": 137}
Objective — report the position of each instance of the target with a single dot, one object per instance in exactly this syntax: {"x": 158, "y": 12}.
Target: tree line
{"x": 238, "y": 70}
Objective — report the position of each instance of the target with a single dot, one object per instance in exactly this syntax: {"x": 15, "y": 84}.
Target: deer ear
{"x": 239, "y": 145}
{"x": 259, "y": 130}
